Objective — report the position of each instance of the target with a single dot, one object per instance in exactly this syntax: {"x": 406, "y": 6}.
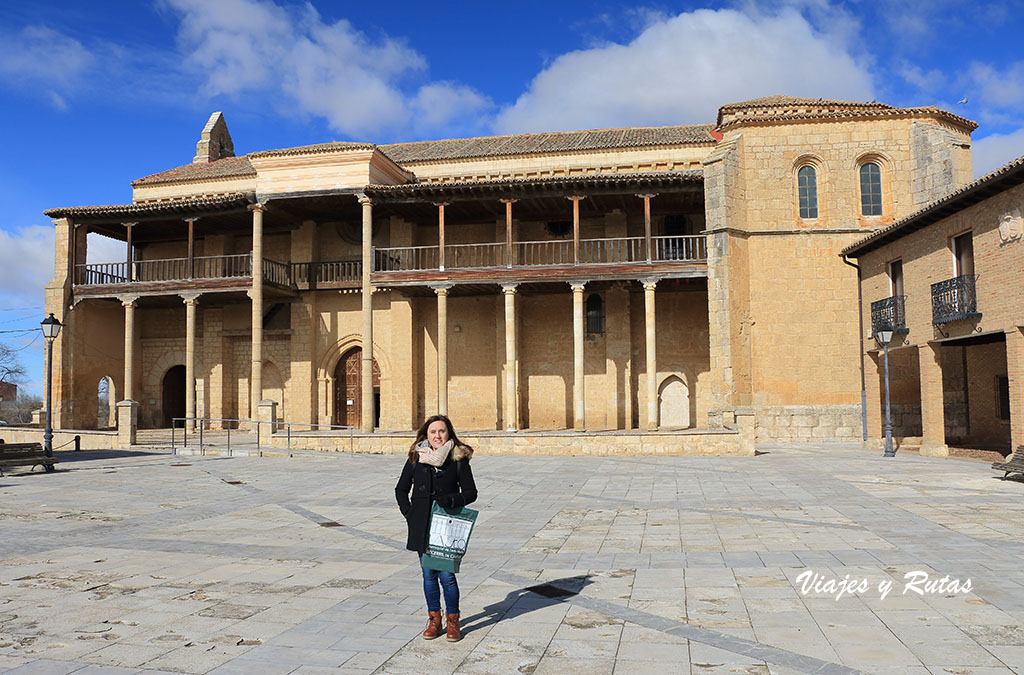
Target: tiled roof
{"x": 228, "y": 167}
{"x": 778, "y": 108}
{"x": 778, "y": 100}
{"x": 1003, "y": 178}
{"x": 311, "y": 149}
{"x": 513, "y": 185}
{"x": 524, "y": 144}
{"x": 223, "y": 202}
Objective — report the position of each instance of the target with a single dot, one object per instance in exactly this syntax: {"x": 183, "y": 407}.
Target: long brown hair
{"x": 421, "y": 436}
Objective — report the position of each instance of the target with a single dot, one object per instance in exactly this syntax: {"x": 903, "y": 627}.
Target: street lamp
{"x": 50, "y": 326}
{"x": 884, "y": 336}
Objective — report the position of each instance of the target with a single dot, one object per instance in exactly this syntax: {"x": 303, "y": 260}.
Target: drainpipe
{"x": 860, "y": 341}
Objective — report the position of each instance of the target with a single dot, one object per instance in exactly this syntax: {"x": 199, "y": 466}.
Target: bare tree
{"x": 11, "y": 369}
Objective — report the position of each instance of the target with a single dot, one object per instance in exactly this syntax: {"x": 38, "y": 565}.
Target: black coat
{"x": 452, "y": 484}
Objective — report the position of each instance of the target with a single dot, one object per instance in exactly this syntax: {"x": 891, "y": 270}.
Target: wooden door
{"x": 348, "y": 390}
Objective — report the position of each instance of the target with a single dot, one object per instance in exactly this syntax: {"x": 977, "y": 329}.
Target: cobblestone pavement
{"x": 148, "y": 562}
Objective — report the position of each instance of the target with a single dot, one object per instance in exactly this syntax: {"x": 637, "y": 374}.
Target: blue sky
{"x": 98, "y": 94}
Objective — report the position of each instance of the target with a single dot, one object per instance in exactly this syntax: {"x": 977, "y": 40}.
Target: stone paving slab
{"x": 154, "y": 563}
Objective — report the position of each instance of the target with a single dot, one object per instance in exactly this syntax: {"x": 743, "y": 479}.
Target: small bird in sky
{"x": 962, "y": 101}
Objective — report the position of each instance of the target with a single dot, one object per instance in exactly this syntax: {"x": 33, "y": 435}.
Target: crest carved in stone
{"x": 1011, "y": 225}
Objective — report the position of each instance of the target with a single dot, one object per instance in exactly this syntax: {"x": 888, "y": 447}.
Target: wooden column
{"x": 578, "y": 396}
{"x": 130, "y": 256}
{"x": 652, "y": 360}
{"x": 366, "y": 386}
{"x": 190, "y": 269}
{"x": 440, "y": 236}
{"x": 576, "y": 228}
{"x": 256, "y": 293}
{"x": 511, "y": 363}
{"x": 647, "y": 225}
{"x": 442, "y": 348}
{"x": 190, "y": 357}
{"x": 509, "y": 251}
{"x": 129, "y": 347}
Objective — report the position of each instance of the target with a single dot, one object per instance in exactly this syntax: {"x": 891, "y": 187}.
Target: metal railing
{"x": 541, "y": 253}
{"x": 468, "y": 256}
{"x": 680, "y": 247}
{"x": 177, "y": 422}
{"x": 611, "y": 250}
{"x": 406, "y": 258}
{"x": 888, "y": 314}
{"x": 954, "y": 299}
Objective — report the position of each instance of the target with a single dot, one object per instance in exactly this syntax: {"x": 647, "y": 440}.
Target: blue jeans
{"x": 433, "y": 593}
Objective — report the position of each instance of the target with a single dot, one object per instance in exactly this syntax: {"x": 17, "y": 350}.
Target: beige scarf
{"x": 434, "y": 456}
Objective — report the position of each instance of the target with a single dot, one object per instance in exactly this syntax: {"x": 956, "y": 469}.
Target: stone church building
{"x": 678, "y": 280}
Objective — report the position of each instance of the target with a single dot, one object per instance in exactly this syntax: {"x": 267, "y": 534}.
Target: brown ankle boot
{"x": 453, "y": 628}
{"x": 433, "y": 626}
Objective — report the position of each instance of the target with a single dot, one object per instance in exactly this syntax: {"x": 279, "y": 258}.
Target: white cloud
{"x": 26, "y": 258}
{"x": 101, "y": 249}
{"x": 362, "y": 87}
{"x": 43, "y": 59}
{"x": 992, "y": 151}
{"x": 999, "y": 88}
{"x": 681, "y": 69}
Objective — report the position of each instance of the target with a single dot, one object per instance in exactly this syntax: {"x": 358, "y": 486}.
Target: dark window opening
{"x": 559, "y": 228}
{"x": 595, "y": 323}
{"x": 1003, "y": 397}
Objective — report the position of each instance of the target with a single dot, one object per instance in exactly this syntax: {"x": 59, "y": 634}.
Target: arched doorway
{"x": 674, "y": 406}
{"x": 174, "y": 394}
{"x": 348, "y": 396}
{"x": 106, "y": 398}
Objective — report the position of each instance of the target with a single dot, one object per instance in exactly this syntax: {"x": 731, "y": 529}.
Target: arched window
{"x": 807, "y": 184}
{"x": 870, "y": 189}
{"x": 594, "y": 315}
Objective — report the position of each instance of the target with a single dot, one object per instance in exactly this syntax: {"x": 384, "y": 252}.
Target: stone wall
{"x": 822, "y": 423}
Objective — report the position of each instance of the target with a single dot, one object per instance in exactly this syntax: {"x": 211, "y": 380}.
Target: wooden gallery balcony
{"x": 684, "y": 255}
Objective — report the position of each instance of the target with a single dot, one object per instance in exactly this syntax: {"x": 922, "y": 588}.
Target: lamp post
{"x": 50, "y": 326}
{"x": 884, "y": 336}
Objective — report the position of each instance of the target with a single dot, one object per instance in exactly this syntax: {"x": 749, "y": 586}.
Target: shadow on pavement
{"x": 87, "y": 455}
{"x": 547, "y": 594}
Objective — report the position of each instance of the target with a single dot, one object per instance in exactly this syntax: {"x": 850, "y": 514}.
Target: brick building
{"x": 949, "y": 279}
{"x": 651, "y": 278}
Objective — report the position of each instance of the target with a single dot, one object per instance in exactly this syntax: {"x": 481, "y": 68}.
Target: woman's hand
{"x": 445, "y": 501}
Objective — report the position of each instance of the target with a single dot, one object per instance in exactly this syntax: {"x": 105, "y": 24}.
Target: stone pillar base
{"x": 935, "y": 450}
{"x": 267, "y": 418}
{"x": 746, "y": 424}
{"x": 127, "y": 423}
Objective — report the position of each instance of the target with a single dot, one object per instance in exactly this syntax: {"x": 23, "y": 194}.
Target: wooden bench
{"x": 25, "y": 454}
{"x": 1014, "y": 465}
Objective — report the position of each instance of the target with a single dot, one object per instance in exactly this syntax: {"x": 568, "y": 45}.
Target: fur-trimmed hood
{"x": 462, "y": 452}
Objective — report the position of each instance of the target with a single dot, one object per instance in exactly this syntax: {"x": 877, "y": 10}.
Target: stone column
{"x": 267, "y": 418}
{"x": 933, "y": 423}
{"x": 256, "y": 293}
{"x": 190, "y": 356}
{"x": 1015, "y": 374}
{"x": 652, "y": 358}
{"x": 511, "y": 362}
{"x": 367, "y": 365}
{"x": 127, "y": 423}
{"x": 578, "y": 396}
{"x": 442, "y": 348}
{"x": 128, "y": 389}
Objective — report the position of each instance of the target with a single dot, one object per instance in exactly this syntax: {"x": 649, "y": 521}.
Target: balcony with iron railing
{"x": 889, "y": 314}
{"x": 955, "y": 300}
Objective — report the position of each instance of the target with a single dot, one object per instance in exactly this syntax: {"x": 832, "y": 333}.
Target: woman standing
{"x": 437, "y": 471}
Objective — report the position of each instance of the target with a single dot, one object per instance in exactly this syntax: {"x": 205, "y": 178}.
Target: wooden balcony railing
{"x": 202, "y": 268}
{"x": 606, "y": 251}
{"x": 326, "y": 272}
